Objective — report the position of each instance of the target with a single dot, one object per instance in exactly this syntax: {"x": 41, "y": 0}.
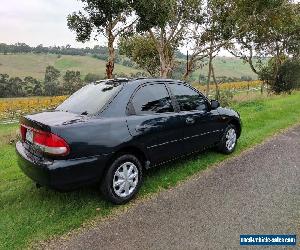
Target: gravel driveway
{"x": 255, "y": 193}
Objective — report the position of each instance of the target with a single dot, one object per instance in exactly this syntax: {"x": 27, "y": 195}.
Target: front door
{"x": 202, "y": 125}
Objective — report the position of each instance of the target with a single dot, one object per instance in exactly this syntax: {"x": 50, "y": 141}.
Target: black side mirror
{"x": 214, "y": 104}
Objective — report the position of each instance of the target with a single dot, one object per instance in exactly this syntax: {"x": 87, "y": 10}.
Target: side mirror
{"x": 214, "y": 104}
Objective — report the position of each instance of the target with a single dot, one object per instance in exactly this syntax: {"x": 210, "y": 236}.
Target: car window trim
{"x": 108, "y": 102}
{"x": 191, "y": 87}
{"x": 130, "y": 111}
{"x": 173, "y": 98}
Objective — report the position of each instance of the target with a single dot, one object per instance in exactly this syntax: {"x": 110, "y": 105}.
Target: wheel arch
{"x": 238, "y": 126}
{"x": 134, "y": 150}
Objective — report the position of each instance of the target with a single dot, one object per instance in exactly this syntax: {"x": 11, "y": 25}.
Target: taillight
{"x": 47, "y": 142}
{"x": 23, "y": 130}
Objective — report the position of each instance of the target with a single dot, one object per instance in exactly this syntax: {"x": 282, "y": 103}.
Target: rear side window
{"x": 90, "y": 99}
{"x": 187, "y": 98}
{"x": 151, "y": 99}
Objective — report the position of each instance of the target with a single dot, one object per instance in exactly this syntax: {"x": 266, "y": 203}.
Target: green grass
{"x": 227, "y": 66}
{"x": 34, "y": 65}
{"x": 8, "y": 133}
{"x": 28, "y": 214}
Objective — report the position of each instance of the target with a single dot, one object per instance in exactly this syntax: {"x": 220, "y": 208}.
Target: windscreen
{"x": 90, "y": 99}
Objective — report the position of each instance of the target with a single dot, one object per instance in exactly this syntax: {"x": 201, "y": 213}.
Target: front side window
{"x": 151, "y": 99}
{"x": 187, "y": 98}
{"x": 90, "y": 99}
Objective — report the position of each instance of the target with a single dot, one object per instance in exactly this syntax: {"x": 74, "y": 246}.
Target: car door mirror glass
{"x": 214, "y": 104}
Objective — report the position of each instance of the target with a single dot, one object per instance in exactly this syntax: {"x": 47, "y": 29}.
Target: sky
{"x": 42, "y": 22}
{"x": 39, "y": 22}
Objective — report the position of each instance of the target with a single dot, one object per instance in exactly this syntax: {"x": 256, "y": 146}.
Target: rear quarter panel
{"x": 97, "y": 136}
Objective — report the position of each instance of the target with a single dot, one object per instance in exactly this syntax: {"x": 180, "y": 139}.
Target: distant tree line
{"x": 59, "y": 50}
{"x": 52, "y": 84}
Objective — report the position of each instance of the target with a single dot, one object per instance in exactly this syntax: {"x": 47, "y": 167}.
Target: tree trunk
{"x": 164, "y": 73}
{"x": 166, "y": 59}
{"x": 217, "y": 96}
{"x": 250, "y": 61}
{"x": 110, "y": 65}
{"x": 166, "y": 63}
{"x": 163, "y": 65}
{"x": 209, "y": 74}
{"x": 209, "y": 67}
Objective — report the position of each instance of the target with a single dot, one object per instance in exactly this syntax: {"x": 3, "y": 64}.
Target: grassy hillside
{"x": 228, "y": 66}
{"x": 34, "y": 65}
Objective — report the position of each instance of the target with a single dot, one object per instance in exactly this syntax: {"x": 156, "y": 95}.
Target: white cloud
{"x": 38, "y": 22}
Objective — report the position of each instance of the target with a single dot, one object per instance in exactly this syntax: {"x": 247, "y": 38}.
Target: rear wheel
{"x": 123, "y": 179}
{"x": 229, "y": 140}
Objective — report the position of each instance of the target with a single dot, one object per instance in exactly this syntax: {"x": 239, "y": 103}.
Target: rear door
{"x": 154, "y": 124}
{"x": 202, "y": 125}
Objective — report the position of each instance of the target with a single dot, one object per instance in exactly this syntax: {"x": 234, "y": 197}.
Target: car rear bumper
{"x": 61, "y": 174}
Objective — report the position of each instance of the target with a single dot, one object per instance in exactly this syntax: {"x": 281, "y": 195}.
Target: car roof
{"x": 136, "y": 81}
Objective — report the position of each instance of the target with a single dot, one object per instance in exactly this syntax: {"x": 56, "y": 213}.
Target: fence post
{"x": 248, "y": 87}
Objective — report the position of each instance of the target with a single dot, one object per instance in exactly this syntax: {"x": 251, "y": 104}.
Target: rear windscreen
{"x": 90, "y": 99}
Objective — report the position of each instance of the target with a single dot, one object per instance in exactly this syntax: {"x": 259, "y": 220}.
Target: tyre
{"x": 229, "y": 140}
{"x": 122, "y": 180}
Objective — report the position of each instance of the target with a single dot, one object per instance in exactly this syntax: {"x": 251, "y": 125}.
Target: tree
{"x": 210, "y": 31}
{"x": 15, "y": 86}
{"x": 72, "y": 82}
{"x": 267, "y": 29}
{"x": 142, "y": 50}
{"x": 166, "y": 21}
{"x": 288, "y": 75}
{"x": 51, "y": 81}
{"x": 41, "y": 49}
{"x": 32, "y": 86}
{"x": 28, "y": 86}
{"x": 37, "y": 88}
{"x": 107, "y": 17}
{"x": 4, "y": 79}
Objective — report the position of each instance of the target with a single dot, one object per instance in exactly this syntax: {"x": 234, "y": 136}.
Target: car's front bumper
{"x": 61, "y": 174}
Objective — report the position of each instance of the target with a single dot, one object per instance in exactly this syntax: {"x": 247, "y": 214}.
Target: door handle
{"x": 190, "y": 120}
{"x": 142, "y": 127}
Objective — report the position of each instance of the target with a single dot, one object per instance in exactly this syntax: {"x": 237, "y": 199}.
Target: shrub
{"x": 225, "y": 97}
{"x": 90, "y": 77}
{"x": 283, "y": 74}
{"x": 288, "y": 77}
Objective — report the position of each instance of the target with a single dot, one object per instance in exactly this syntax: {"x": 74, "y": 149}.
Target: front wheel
{"x": 229, "y": 140}
{"x": 122, "y": 180}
